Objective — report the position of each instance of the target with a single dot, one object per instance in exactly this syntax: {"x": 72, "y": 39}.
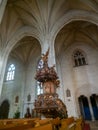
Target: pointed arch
{"x": 4, "y": 109}
{"x": 73, "y": 15}
{"x": 21, "y": 33}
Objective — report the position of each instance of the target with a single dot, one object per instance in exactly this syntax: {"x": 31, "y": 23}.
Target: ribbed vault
{"x": 76, "y": 32}
{"x": 26, "y": 49}
{"x": 40, "y": 15}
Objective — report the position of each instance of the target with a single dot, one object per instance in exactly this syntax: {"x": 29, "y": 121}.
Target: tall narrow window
{"x": 79, "y": 58}
{"x": 10, "y": 72}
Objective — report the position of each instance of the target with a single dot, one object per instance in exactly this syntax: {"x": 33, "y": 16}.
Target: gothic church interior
{"x": 70, "y": 29}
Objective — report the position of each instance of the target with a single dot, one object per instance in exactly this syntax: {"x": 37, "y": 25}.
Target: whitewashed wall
{"x": 30, "y": 84}
{"x": 11, "y": 89}
{"x": 23, "y": 85}
{"x": 82, "y": 80}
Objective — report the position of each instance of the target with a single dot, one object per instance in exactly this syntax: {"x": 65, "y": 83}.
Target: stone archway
{"x": 4, "y": 109}
{"x": 26, "y": 67}
{"x": 20, "y": 34}
{"x": 72, "y": 37}
{"x": 71, "y": 16}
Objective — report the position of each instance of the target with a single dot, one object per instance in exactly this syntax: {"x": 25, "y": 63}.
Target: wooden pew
{"x": 43, "y": 127}
{"x": 67, "y": 124}
{"x": 79, "y": 124}
{"x": 72, "y": 126}
{"x": 13, "y": 124}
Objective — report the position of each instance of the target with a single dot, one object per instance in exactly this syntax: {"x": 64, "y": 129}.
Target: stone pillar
{"x": 23, "y": 94}
{"x": 52, "y": 60}
{"x": 48, "y": 42}
{"x": 2, "y": 8}
{"x": 3, "y": 62}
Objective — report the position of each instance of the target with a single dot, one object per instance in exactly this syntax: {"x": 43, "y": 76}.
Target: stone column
{"x": 48, "y": 42}
{"x": 2, "y": 8}
{"x": 3, "y": 62}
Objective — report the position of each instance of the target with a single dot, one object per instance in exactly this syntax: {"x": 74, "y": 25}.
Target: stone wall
{"x": 80, "y": 80}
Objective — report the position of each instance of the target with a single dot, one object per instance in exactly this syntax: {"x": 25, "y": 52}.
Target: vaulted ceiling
{"x": 77, "y": 32}
{"x": 42, "y": 16}
{"x": 26, "y": 49}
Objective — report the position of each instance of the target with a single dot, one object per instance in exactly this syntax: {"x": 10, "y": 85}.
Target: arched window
{"x": 29, "y": 98}
{"x": 16, "y": 99}
{"x": 10, "y": 73}
{"x": 79, "y": 58}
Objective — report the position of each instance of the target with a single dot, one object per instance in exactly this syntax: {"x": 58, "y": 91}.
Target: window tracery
{"x": 79, "y": 58}
{"x": 10, "y": 73}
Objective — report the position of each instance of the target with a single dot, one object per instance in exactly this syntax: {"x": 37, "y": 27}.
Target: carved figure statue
{"x": 45, "y": 57}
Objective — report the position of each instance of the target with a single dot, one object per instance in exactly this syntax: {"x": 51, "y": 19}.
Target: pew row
{"x": 40, "y": 124}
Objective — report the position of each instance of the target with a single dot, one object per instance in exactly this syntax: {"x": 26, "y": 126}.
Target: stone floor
{"x": 93, "y": 125}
